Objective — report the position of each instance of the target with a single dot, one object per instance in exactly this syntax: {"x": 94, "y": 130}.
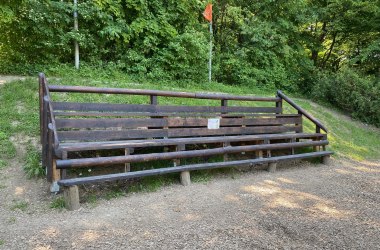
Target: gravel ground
{"x": 302, "y": 205}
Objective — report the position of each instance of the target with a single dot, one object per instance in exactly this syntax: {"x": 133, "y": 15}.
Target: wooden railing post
{"x": 153, "y": 100}
{"x": 43, "y": 118}
{"x": 49, "y": 156}
{"x": 298, "y": 124}
{"x": 44, "y": 134}
{"x": 223, "y": 103}
{"x": 317, "y": 130}
{"x": 279, "y": 105}
{"x": 41, "y": 92}
{"x": 54, "y": 173}
{"x": 302, "y": 111}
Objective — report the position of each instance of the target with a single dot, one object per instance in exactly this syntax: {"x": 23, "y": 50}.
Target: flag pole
{"x": 210, "y": 55}
{"x": 76, "y": 44}
{"x": 207, "y": 14}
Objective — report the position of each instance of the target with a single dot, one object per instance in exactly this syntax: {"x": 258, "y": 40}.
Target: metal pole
{"x": 210, "y": 55}
{"x": 76, "y": 45}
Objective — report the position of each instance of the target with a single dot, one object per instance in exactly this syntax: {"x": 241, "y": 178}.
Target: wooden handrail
{"x": 80, "y": 89}
{"x": 46, "y": 99}
{"x": 302, "y": 111}
{"x": 52, "y": 125}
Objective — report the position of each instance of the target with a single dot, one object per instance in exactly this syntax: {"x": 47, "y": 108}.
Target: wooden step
{"x": 160, "y": 171}
{"x": 84, "y": 146}
{"x": 113, "y": 160}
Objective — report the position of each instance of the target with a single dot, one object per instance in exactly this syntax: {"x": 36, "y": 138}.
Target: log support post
{"x": 185, "y": 178}
{"x": 292, "y": 149}
{"x": 225, "y": 156}
{"x": 185, "y": 175}
{"x": 127, "y": 166}
{"x": 272, "y": 167}
{"x": 326, "y": 160}
{"x": 259, "y": 153}
{"x": 71, "y": 196}
{"x": 64, "y": 171}
{"x": 53, "y": 173}
{"x": 56, "y": 175}
{"x": 269, "y": 153}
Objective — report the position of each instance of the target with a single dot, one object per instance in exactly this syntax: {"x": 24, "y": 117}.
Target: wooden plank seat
{"x": 103, "y": 145}
{"x": 254, "y": 130}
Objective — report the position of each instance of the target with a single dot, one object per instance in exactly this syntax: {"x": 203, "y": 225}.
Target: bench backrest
{"x": 76, "y": 121}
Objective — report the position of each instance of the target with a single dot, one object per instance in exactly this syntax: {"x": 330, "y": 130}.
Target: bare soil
{"x": 10, "y": 78}
{"x": 302, "y": 205}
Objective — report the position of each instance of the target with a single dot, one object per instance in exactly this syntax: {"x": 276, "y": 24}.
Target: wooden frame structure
{"x": 72, "y": 127}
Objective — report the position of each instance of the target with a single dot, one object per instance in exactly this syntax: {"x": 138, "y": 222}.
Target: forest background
{"x": 325, "y": 50}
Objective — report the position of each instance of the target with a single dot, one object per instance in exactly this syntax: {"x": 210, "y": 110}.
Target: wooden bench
{"x": 76, "y": 135}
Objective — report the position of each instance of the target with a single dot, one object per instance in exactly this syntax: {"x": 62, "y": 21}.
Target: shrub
{"x": 32, "y": 165}
{"x": 352, "y": 92}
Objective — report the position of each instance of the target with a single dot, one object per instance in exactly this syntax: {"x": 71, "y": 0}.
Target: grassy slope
{"x": 19, "y": 112}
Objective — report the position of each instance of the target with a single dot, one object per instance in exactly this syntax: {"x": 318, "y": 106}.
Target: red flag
{"x": 208, "y": 12}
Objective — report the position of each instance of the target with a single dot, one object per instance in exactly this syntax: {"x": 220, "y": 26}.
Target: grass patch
{"x": 202, "y": 176}
{"x": 114, "y": 193}
{"x": 21, "y": 205}
{"x": 92, "y": 199}
{"x": 2, "y": 242}
{"x": 32, "y": 165}
{"x": 348, "y": 138}
{"x": 153, "y": 183}
{"x": 58, "y": 203}
{"x": 19, "y": 114}
{"x": 3, "y": 164}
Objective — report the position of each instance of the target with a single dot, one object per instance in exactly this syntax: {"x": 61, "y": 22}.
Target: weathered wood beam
{"x": 87, "y": 162}
{"x": 159, "y": 171}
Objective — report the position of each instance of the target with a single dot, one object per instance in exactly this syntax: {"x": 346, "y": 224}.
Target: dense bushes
{"x": 357, "y": 94}
{"x": 299, "y": 46}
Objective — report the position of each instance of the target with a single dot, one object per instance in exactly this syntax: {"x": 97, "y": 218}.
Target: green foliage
{"x": 268, "y": 44}
{"x": 34, "y": 32}
{"x": 19, "y": 112}
{"x": 3, "y": 164}
{"x": 348, "y": 90}
{"x": 21, "y": 205}
{"x": 32, "y": 165}
{"x": 58, "y": 203}
{"x": 114, "y": 193}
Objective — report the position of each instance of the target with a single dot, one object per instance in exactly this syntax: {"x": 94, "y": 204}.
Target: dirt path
{"x": 306, "y": 206}
{"x": 8, "y": 78}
